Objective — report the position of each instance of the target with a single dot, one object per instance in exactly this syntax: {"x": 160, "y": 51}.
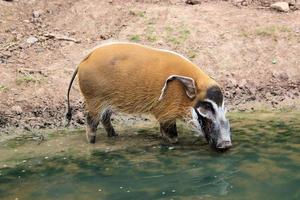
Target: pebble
{"x": 280, "y": 6}
{"x": 17, "y": 109}
{"x": 171, "y": 148}
{"x": 37, "y": 13}
{"x": 160, "y": 42}
{"x": 46, "y": 157}
{"x": 193, "y": 2}
{"x": 32, "y": 40}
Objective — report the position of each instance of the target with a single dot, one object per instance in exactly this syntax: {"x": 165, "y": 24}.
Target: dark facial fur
{"x": 214, "y": 94}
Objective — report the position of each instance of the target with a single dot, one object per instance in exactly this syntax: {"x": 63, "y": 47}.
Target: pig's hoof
{"x": 92, "y": 139}
{"x": 169, "y": 140}
{"x": 112, "y": 134}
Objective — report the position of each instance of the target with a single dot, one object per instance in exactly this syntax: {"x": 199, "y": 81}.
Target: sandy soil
{"x": 251, "y": 50}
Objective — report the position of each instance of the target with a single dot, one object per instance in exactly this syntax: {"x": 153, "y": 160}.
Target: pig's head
{"x": 209, "y": 118}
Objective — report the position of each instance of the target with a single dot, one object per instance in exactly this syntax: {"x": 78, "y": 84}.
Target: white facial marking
{"x": 195, "y": 123}
{"x": 220, "y": 111}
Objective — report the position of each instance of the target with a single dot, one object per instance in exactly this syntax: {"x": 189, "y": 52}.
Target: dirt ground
{"x": 252, "y": 50}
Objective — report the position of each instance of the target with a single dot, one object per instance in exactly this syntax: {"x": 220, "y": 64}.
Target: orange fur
{"x": 129, "y": 77}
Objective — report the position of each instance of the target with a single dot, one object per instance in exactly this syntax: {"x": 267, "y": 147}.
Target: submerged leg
{"x": 169, "y": 131}
{"x": 105, "y": 120}
{"x": 91, "y": 127}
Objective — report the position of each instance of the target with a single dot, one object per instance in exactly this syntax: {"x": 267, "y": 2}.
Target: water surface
{"x": 263, "y": 164}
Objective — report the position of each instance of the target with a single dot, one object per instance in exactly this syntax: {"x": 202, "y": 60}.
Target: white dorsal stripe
{"x": 132, "y": 43}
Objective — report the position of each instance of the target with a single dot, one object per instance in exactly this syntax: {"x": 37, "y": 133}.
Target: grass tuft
{"x": 27, "y": 79}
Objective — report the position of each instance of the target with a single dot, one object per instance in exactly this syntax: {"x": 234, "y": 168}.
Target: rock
{"x": 37, "y": 13}
{"x": 265, "y": 3}
{"x": 283, "y": 76}
{"x": 244, "y": 3}
{"x": 291, "y": 2}
{"x": 237, "y": 3}
{"x": 32, "y": 40}
{"x": 193, "y": 2}
{"x": 242, "y": 83}
{"x": 17, "y": 110}
{"x": 233, "y": 83}
{"x": 280, "y": 6}
{"x": 295, "y": 6}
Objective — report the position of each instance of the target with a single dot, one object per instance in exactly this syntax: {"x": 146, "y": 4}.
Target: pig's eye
{"x": 207, "y": 106}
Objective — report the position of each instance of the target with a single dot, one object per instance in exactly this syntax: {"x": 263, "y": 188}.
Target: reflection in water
{"x": 263, "y": 164}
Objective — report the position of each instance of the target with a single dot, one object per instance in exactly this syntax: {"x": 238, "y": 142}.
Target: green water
{"x": 263, "y": 164}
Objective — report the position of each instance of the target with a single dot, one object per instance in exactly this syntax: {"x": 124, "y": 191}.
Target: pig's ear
{"x": 187, "y": 82}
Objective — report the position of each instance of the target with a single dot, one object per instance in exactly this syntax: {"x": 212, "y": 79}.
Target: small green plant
{"x": 3, "y": 88}
{"x": 272, "y": 30}
{"x": 192, "y": 54}
{"x": 285, "y": 29}
{"x": 173, "y": 40}
{"x": 139, "y": 13}
{"x": 184, "y": 34}
{"x": 266, "y": 31}
{"x": 169, "y": 29}
{"x": 177, "y": 36}
{"x": 27, "y": 79}
{"x": 150, "y": 34}
{"x": 135, "y": 38}
{"x": 151, "y": 38}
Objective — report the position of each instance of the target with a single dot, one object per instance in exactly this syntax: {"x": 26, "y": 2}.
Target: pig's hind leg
{"x": 91, "y": 127}
{"x": 106, "y": 122}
